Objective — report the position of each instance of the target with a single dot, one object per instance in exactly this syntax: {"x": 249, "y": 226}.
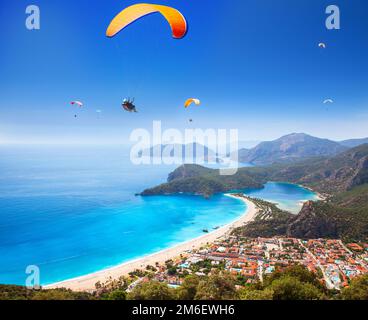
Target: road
{"x": 329, "y": 284}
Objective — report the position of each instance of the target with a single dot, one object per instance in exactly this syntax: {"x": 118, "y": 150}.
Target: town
{"x": 250, "y": 260}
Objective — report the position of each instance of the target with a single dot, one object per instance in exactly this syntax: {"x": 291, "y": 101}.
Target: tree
{"x": 152, "y": 290}
{"x": 116, "y": 295}
{"x": 251, "y": 294}
{"x": 188, "y": 289}
{"x": 296, "y": 271}
{"x": 291, "y": 288}
{"x": 293, "y": 283}
{"x": 61, "y": 294}
{"x": 171, "y": 271}
{"x": 217, "y": 287}
{"x": 12, "y": 292}
{"x": 358, "y": 289}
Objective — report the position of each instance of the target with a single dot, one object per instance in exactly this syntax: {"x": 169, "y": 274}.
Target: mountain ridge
{"x": 191, "y": 151}
{"x": 344, "y": 177}
{"x": 290, "y": 148}
{"x": 351, "y": 143}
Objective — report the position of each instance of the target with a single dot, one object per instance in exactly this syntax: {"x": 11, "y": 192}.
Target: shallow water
{"x": 287, "y": 196}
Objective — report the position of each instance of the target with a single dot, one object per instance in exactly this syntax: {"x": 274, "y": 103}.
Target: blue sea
{"x": 73, "y": 210}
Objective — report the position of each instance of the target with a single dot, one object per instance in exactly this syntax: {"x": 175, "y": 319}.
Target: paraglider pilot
{"x": 129, "y": 106}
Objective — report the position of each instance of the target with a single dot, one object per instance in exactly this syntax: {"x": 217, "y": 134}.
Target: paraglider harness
{"x": 129, "y": 106}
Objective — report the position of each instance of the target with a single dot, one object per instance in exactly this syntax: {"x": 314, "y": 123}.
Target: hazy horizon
{"x": 242, "y": 142}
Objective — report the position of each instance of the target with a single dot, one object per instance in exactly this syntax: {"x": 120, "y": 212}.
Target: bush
{"x": 217, "y": 287}
{"x": 249, "y": 294}
{"x": 151, "y": 290}
{"x": 358, "y": 289}
{"x": 188, "y": 289}
{"x": 291, "y": 288}
{"x": 116, "y": 295}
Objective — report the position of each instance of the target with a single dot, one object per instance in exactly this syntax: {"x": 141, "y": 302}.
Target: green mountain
{"x": 345, "y": 216}
{"x": 330, "y": 175}
{"x": 354, "y": 142}
{"x": 290, "y": 148}
{"x": 195, "y": 179}
{"x": 188, "y": 171}
{"x": 343, "y": 177}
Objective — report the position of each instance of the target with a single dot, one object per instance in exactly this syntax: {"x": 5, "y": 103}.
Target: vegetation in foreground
{"x": 293, "y": 283}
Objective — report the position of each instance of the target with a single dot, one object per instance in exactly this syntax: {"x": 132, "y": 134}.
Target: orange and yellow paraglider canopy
{"x": 190, "y": 101}
{"x": 131, "y": 14}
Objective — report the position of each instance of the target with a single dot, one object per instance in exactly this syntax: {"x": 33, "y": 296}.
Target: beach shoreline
{"x": 87, "y": 282}
{"x": 319, "y": 196}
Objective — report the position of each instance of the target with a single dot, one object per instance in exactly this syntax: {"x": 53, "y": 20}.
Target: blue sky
{"x": 254, "y": 64}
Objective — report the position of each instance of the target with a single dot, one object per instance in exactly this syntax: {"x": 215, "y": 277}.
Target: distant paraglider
{"x": 322, "y": 45}
{"x": 128, "y": 105}
{"x": 190, "y": 101}
{"x": 133, "y": 13}
{"x": 327, "y": 101}
{"x": 78, "y": 104}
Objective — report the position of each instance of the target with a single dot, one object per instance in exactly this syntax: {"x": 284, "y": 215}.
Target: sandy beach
{"x": 87, "y": 282}
{"x": 319, "y": 196}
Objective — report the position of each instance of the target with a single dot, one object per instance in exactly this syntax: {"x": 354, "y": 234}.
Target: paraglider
{"x": 78, "y": 104}
{"x": 190, "y": 101}
{"x": 328, "y": 101}
{"x": 131, "y": 14}
{"x": 128, "y": 105}
{"x": 322, "y": 45}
